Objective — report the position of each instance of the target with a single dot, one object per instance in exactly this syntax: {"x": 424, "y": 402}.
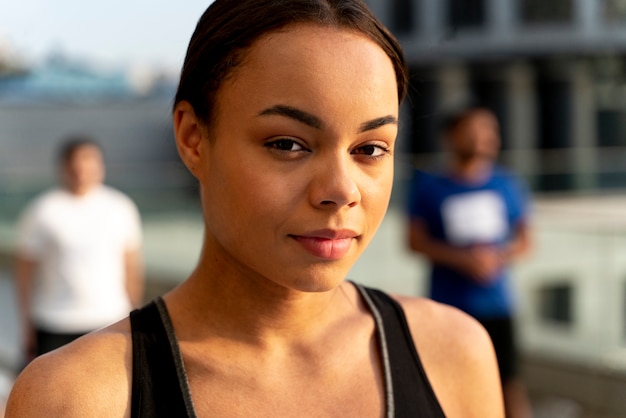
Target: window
{"x": 489, "y": 89}
{"x": 554, "y": 118}
{"x": 425, "y": 124}
{"x": 611, "y": 127}
{"x": 402, "y": 12}
{"x": 466, "y": 14}
{"x": 614, "y": 11}
{"x": 547, "y": 11}
{"x": 555, "y": 304}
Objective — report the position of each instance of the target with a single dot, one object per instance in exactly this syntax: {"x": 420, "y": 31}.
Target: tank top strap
{"x": 160, "y": 387}
{"x": 407, "y": 388}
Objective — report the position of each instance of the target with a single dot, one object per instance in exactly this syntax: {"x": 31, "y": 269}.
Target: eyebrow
{"x": 293, "y": 113}
{"x": 315, "y": 122}
{"x": 378, "y": 122}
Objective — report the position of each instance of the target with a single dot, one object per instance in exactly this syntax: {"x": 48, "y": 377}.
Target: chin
{"x": 317, "y": 283}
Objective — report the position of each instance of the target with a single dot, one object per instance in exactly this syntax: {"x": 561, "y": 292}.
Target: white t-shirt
{"x": 79, "y": 244}
{"x": 475, "y": 217}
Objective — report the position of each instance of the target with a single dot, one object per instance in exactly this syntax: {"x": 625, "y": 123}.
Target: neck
{"x": 241, "y": 305}
{"x": 473, "y": 169}
{"x": 80, "y": 190}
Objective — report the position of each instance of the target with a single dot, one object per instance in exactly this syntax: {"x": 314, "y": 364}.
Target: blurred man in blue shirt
{"x": 471, "y": 222}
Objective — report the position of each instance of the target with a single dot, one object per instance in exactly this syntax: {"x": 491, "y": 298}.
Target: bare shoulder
{"x": 89, "y": 377}
{"x": 458, "y": 358}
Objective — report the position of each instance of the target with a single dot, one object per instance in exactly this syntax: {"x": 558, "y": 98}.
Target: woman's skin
{"x": 295, "y": 177}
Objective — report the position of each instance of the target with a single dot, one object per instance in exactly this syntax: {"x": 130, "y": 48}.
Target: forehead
{"x": 312, "y": 44}
{"x": 482, "y": 118}
{"x": 478, "y": 119}
{"x": 309, "y": 62}
{"x": 84, "y": 151}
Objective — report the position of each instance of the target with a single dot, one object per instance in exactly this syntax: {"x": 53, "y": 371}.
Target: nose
{"x": 334, "y": 184}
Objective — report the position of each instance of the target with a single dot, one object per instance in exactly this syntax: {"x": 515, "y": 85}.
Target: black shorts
{"x": 502, "y": 333}
{"x": 48, "y": 341}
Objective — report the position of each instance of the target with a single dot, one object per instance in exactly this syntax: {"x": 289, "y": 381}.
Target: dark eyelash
{"x": 285, "y": 145}
{"x": 276, "y": 144}
{"x": 385, "y": 150}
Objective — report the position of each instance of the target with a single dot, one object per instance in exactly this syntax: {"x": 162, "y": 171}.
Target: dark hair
{"x": 228, "y": 27}
{"x": 458, "y": 116}
{"x": 71, "y": 144}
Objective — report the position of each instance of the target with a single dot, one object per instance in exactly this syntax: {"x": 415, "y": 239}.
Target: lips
{"x": 327, "y": 244}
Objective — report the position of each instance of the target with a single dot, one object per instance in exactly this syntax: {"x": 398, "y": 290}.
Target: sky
{"x": 109, "y": 33}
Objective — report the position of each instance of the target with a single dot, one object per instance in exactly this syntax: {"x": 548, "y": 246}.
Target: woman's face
{"x": 297, "y": 175}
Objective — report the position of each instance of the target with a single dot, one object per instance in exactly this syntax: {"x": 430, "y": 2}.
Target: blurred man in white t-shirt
{"x": 78, "y": 264}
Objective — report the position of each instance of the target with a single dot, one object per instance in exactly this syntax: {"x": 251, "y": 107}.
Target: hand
{"x": 482, "y": 263}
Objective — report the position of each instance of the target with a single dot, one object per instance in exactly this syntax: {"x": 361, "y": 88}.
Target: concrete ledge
{"x": 600, "y": 393}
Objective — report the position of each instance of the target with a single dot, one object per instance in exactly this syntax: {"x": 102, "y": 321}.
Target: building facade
{"x": 553, "y": 72}
{"x": 40, "y": 107}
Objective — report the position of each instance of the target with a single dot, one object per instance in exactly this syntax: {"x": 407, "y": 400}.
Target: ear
{"x": 189, "y": 134}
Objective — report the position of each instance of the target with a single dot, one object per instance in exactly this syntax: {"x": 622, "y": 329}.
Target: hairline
{"x": 239, "y": 56}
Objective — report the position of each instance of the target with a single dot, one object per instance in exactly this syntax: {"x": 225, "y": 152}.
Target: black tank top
{"x": 160, "y": 386}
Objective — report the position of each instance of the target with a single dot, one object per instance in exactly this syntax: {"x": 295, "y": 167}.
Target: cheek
{"x": 376, "y": 195}
{"x": 251, "y": 195}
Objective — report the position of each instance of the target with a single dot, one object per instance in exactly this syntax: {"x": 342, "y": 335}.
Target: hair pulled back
{"x": 228, "y": 27}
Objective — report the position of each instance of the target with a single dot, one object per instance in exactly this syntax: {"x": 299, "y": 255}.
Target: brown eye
{"x": 375, "y": 151}
{"x": 285, "y": 145}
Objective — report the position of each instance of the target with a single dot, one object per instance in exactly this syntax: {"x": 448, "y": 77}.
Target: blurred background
{"x": 551, "y": 70}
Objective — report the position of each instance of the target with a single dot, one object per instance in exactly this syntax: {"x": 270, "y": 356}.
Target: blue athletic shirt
{"x": 465, "y": 215}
